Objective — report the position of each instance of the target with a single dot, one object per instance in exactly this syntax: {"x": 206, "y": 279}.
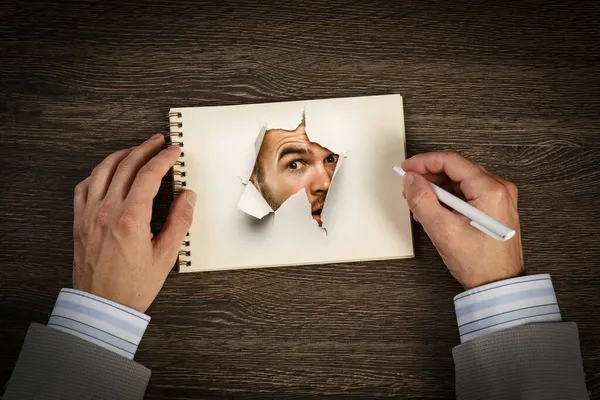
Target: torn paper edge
{"x": 253, "y": 203}
{"x": 330, "y": 192}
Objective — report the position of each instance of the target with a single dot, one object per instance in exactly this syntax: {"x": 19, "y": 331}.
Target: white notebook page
{"x": 367, "y": 218}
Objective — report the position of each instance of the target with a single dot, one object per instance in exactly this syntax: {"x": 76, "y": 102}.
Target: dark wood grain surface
{"x": 513, "y": 85}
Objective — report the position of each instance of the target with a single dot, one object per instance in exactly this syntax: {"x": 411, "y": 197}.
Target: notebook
{"x": 292, "y": 183}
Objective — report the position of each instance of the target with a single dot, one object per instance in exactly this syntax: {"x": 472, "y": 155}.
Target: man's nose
{"x": 320, "y": 181}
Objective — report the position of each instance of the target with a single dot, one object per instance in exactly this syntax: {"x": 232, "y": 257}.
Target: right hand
{"x": 473, "y": 258}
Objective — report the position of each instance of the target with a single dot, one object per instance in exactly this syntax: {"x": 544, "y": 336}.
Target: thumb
{"x": 437, "y": 221}
{"x": 178, "y": 223}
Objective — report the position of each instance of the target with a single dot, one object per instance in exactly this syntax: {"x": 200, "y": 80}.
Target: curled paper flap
{"x": 252, "y": 202}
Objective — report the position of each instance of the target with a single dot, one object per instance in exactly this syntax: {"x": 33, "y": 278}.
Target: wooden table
{"x": 515, "y": 87}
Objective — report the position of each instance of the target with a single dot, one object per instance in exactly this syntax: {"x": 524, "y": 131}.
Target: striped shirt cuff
{"x": 99, "y": 321}
{"x": 505, "y": 304}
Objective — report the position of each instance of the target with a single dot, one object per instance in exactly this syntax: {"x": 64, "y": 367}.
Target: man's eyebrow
{"x": 293, "y": 150}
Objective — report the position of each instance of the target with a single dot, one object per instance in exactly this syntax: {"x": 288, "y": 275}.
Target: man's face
{"x": 287, "y": 162}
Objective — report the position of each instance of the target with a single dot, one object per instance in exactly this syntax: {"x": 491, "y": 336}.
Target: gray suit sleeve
{"x": 56, "y": 365}
{"x": 535, "y": 361}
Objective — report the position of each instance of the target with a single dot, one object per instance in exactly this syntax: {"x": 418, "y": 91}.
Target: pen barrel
{"x": 475, "y": 215}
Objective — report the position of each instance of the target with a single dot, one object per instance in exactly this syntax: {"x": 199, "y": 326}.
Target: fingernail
{"x": 154, "y": 137}
{"x": 191, "y": 198}
{"x": 409, "y": 178}
{"x": 179, "y": 149}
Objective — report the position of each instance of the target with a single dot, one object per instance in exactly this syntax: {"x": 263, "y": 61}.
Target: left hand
{"x": 116, "y": 256}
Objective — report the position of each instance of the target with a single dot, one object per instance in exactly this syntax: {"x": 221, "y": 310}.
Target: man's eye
{"x": 295, "y": 165}
{"x": 332, "y": 158}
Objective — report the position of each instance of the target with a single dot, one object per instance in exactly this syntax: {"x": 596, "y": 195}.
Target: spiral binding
{"x": 175, "y": 138}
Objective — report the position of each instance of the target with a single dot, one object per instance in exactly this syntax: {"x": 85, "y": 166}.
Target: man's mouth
{"x": 316, "y": 214}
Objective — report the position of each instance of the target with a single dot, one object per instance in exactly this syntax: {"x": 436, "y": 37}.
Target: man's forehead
{"x": 277, "y": 137}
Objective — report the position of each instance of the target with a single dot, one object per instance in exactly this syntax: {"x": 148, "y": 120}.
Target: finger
{"x": 440, "y": 179}
{"x": 473, "y": 180}
{"x": 438, "y": 222}
{"x": 80, "y": 197}
{"x": 147, "y": 182}
{"x": 129, "y": 167}
{"x": 445, "y": 183}
{"x": 511, "y": 187}
{"x": 103, "y": 174}
{"x": 178, "y": 223}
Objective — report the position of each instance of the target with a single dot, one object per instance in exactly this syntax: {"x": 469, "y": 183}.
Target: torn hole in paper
{"x": 288, "y": 163}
